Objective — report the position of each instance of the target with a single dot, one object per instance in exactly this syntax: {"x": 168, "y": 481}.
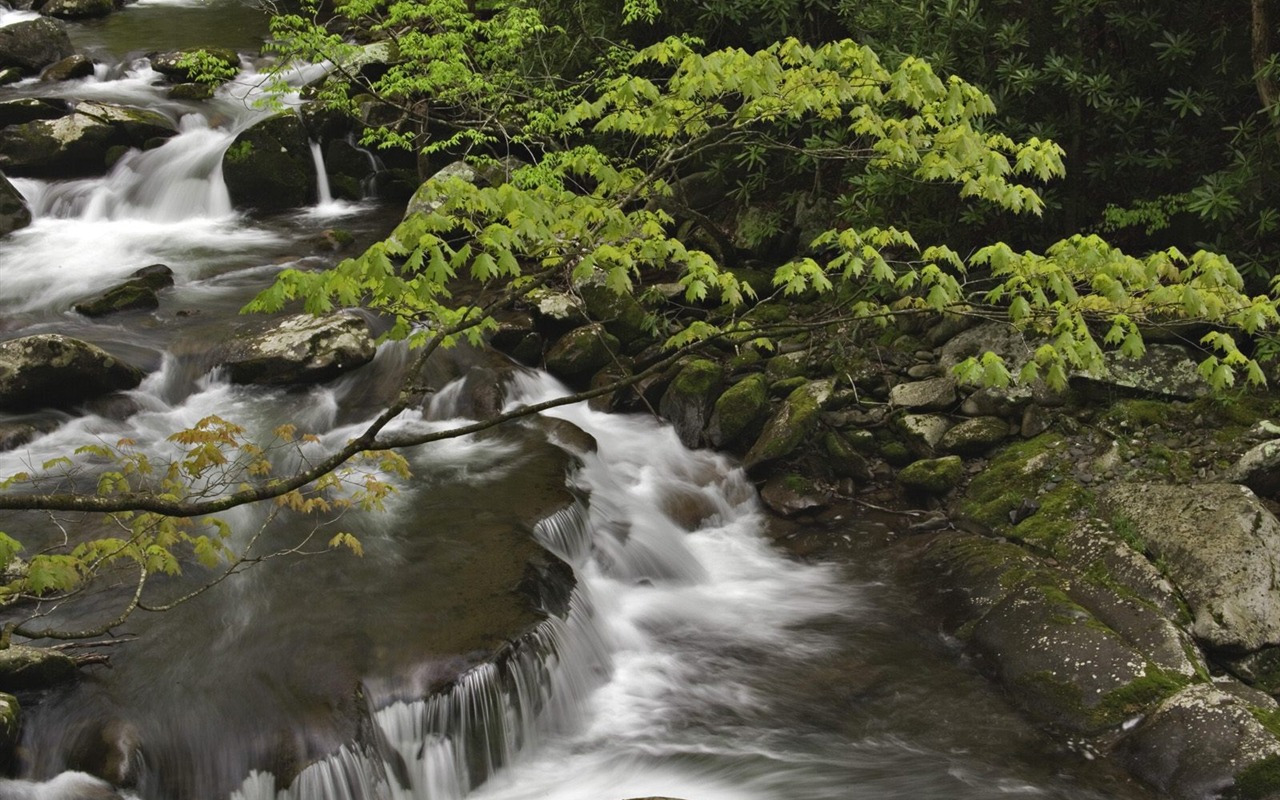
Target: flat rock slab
{"x": 1220, "y": 546}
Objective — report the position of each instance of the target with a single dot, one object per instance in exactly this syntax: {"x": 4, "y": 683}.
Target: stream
{"x": 695, "y": 658}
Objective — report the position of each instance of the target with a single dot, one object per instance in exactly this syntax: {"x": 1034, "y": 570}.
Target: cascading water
{"x": 691, "y": 659}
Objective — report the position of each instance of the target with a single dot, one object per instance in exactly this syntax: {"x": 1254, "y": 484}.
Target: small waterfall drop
{"x": 324, "y": 196}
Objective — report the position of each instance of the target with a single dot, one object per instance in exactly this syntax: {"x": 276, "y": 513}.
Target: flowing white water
{"x": 694, "y": 660}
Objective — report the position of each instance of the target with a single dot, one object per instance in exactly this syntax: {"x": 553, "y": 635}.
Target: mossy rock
{"x": 582, "y": 351}
{"x": 785, "y": 387}
{"x": 974, "y": 436}
{"x": 739, "y": 413}
{"x": 1015, "y": 475}
{"x": 269, "y": 166}
{"x": 790, "y": 495}
{"x": 791, "y": 424}
{"x": 23, "y": 667}
{"x": 621, "y": 314}
{"x": 687, "y": 402}
{"x": 932, "y": 475}
{"x": 844, "y": 459}
{"x": 787, "y": 366}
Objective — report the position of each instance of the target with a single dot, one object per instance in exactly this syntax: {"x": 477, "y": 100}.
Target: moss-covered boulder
{"x": 77, "y": 144}
{"x": 974, "y": 436}
{"x": 34, "y": 44}
{"x": 138, "y": 292}
{"x": 55, "y": 371}
{"x": 932, "y": 475}
{"x": 621, "y": 314}
{"x": 269, "y": 167}
{"x": 923, "y": 432}
{"x": 687, "y": 402}
{"x": 582, "y": 351}
{"x": 70, "y": 68}
{"x": 300, "y": 349}
{"x": 1206, "y": 742}
{"x": 844, "y": 459}
{"x": 23, "y": 667}
{"x": 1221, "y": 547}
{"x": 739, "y": 413}
{"x": 791, "y": 495}
{"x": 791, "y": 424}
{"x": 14, "y": 213}
{"x": 1037, "y": 629}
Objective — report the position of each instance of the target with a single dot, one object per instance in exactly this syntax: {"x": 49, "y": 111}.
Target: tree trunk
{"x": 1268, "y": 89}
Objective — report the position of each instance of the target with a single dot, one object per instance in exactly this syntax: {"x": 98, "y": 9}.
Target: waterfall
{"x": 323, "y": 195}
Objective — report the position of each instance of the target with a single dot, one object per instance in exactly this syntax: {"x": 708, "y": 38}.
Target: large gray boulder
{"x": 1164, "y": 370}
{"x": 32, "y": 45}
{"x": 1202, "y": 743}
{"x": 1220, "y": 546}
{"x": 935, "y": 394}
{"x": 30, "y": 109}
{"x": 77, "y": 144}
{"x": 55, "y": 371}
{"x": 14, "y": 213}
{"x": 269, "y": 166}
{"x": 300, "y": 349}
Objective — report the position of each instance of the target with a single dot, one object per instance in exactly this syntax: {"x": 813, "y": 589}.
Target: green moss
{"x": 697, "y": 377}
{"x": 740, "y": 411}
{"x": 896, "y": 453}
{"x": 1059, "y": 513}
{"x": 1140, "y": 695}
{"x": 1114, "y": 707}
{"x": 1259, "y": 780}
{"x": 785, "y": 387}
{"x": 240, "y": 151}
{"x": 1137, "y": 413}
{"x": 1016, "y": 473}
{"x": 933, "y": 475}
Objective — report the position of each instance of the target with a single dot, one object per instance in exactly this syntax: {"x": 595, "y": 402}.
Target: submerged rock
{"x": 300, "y": 349}
{"x": 23, "y": 667}
{"x": 54, "y": 371}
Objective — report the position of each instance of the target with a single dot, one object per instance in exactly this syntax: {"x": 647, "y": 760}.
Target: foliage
{"x": 205, "y": 67}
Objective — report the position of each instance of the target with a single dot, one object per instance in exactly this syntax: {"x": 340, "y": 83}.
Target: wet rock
{"x": 1057, "y": 656}
{"x": 789, "y": 495}
{"x": 77, "y": 144}
{"x": 1259, "y": 469}
{"x": 14, "y": 213}
{"x": 844, "y": 459}
{"x": 923, "y": 432}
{"x": 790, "y": 425}
{"x": 68, "y": 69}
{"x": 786, "y": 366}
{"x": 1202, "y": 743}
{"x": 29, "y": 109}
{"x": 77, "y": 9}
{"x": 932, "y": 475}
{"x": 1164, "y": 370}
{"x": 139, "y": 292}
{"x": 975, "y": 436}
{"x": 582, "y": 351}
{"x": 427, "y": 198}
{"x": 739, "y": 413}
{"x": 1221, "y": 548}
{"x": 300, "y": 349}
{"x": 33, "y": 44}
{"x": 687, "y": 402}
{"x": 23, "y": 667}
{"x": 191, "y": 91}
{"x": 269, "y": 166}
{"x": 10, "y": 728}
{"x": 935, "y": 394}
{"x": 621, "y": 314}
{"x": 1260, "y": 669}
{"x": 55, "y": 371}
